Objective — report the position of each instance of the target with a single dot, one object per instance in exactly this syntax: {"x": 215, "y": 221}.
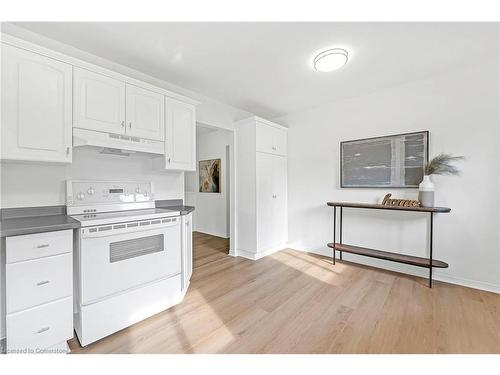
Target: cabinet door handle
{"x": 130, "y": 125}
{"x": 42, "y": 246}
{"x": 169, "y": 160}
{"x": 123, "y": 123}
{"x": 67, "y": 150}
{"x": 42, "y": 330}
{"x": 40, "y": 283}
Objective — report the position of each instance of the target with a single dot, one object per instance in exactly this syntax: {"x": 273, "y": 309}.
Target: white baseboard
{"x": 411, "y": 270}
{"x": 256, "y": 255}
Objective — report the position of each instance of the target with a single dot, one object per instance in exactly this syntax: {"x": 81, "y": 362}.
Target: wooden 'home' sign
{"x": 400, "y": 202}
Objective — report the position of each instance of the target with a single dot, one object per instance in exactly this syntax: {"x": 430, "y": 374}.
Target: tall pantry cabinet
{"x": 261, "y": 187}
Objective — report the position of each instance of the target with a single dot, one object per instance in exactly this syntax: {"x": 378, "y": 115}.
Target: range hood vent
{"x": 116, "y": 144}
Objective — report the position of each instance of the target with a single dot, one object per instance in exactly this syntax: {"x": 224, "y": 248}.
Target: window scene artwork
{"x": 390, "y": 161}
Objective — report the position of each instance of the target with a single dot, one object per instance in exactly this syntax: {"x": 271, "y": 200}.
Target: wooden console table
{"x": 429, "y": 263}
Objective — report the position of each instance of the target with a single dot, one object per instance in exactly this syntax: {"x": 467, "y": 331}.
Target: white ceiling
{"x": 265, "y": 68}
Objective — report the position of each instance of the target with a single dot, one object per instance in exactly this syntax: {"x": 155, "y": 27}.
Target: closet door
{"x": 265, "y": 201}
{"x": 145, "y": 113}
{"x": 98, "y": 102}
{"x": 280, "y": 205}
{"x": 36, "y": 107}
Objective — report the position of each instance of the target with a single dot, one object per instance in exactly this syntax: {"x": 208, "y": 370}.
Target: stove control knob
{"x": 80, "y": 196}
{"x": 90, "y": 191}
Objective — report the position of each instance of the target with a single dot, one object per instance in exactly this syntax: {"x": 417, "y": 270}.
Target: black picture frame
{"x": 426, "y": 133}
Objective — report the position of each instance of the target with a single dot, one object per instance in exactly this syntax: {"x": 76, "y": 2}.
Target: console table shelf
{"x": 429, "y": 263}
{"x": 386, "y": 207}
{"x": 386, "y": 255}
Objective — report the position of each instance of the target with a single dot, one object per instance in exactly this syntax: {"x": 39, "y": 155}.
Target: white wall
{"x": 461, "y": 111}
{"x": 30, "y": 184}
{"x": 211, "y": 214}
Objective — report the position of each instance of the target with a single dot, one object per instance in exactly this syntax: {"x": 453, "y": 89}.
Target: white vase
{"x": 426, "y": 192}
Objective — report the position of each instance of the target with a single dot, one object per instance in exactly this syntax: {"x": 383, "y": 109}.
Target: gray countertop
{"x": 36, "y": 224}
{"x": 28, "y": 220}
{"x": 174, "y": 204}
{"x": 184, "y": 210}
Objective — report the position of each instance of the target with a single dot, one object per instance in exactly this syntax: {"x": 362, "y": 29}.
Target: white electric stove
{"x": 127, "y": 256}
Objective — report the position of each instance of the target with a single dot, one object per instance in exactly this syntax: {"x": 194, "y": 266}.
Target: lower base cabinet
{"x": 187, "y": 250}
{"x": 39, "y": 292}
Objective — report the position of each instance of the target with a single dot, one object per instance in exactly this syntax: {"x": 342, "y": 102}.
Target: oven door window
{"x": 136, "y": 247}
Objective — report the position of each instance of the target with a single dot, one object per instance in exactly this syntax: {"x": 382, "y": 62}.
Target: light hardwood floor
{"x": 293, "y": 302}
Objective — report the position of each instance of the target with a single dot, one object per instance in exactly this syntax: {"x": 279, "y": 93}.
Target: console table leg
{"x": 334, "y": 232}
{"x": 430, "y": 249}
{"x": 340, "y": 231}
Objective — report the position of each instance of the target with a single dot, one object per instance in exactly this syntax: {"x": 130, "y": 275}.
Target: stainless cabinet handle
{"x": 67, "y": 150}
{"x": 42, "y": 246}
{"x": 169, "y": 160}
{"x": 42, "y": 330}
{"x": 123, "y": 123}
{"x": 130, "y": 125}
{"x": 40, "y": 283}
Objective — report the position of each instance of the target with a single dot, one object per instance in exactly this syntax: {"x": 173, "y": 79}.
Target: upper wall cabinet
{"x": 145, "y": 113}
{"x": 36, "y": 107}
{"x": 180, "y": 135}
{"x": 270, "y": 139}
{"x": 98, "y": 102}
{"x": 109, "y": 105}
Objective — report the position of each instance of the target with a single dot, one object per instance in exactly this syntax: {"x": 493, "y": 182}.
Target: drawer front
{"x": 32, "y": 246}
{"x": 40, "y": 327}
{"x": 38, "y": 281}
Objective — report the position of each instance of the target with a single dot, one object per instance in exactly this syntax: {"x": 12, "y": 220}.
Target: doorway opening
{"x": 209, "y": 189}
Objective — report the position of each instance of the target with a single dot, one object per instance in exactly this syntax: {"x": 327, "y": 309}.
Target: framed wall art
{"x": 394, "y": 161}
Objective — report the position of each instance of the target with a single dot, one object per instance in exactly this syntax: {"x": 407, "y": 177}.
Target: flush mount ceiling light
{"x": 331, "y": 59}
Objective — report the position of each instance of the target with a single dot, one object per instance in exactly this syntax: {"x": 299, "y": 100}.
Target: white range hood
{"x": 116, "y": 144}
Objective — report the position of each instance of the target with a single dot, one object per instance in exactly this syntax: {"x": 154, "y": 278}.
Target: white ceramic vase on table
{"x": 426, "y": 192}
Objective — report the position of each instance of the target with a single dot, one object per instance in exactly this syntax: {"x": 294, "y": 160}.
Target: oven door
{"x": 113, "y": 261}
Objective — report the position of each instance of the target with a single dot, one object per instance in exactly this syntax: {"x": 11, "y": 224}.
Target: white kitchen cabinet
{"x": 2, "y": 293}
{"x": 98, "y": 102}
{"x": 180, "y": 135}
{"x": 145, "y": 113}
{"x": 261, "y": 188}
{"x": 39, "y": 291}
{"x": 270, "y": 138}
{"x": 271, "y": 207}
{"x": 36, "y": 107}
{"x": 187, "y": 250}
{"x": 109, "y": 105}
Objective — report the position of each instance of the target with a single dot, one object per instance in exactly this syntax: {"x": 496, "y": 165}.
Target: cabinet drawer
{"x": 32, "y": 246}
{"x": 38, "y": 281}
{"x": 40, "y": 327}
